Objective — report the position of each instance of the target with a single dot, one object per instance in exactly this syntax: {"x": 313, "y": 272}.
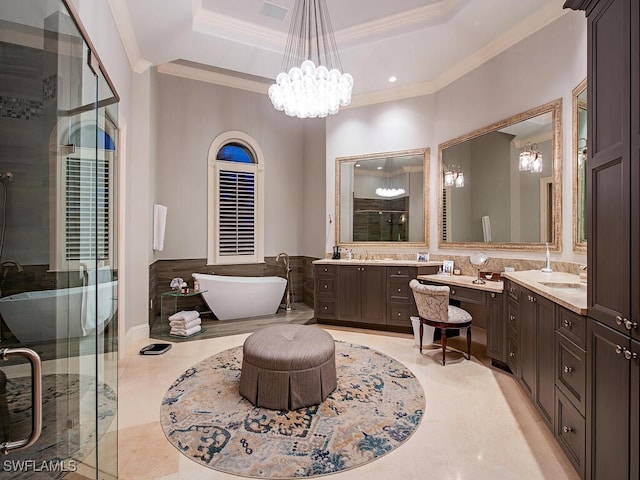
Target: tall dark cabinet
{"x": 613, "y": 189}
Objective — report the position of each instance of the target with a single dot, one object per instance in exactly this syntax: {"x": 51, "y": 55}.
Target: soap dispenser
{"x": 547, "y": 267}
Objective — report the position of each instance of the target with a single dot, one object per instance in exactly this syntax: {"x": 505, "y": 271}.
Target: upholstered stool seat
{"x": 434, "y": 310}
{"x": 286, "y": 367}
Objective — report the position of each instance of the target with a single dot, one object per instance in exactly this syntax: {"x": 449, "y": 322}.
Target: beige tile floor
{"x": 478, "y": 423}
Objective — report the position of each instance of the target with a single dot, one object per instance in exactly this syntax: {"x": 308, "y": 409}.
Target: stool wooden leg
{"x": 444, "y": 344}
{"x": 469, "y": 342}
{"x": 421, "y": 330}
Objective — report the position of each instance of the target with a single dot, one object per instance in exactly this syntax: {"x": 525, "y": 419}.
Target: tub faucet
{"x": 287, "y": 269}
{"x": 6, "y": 265}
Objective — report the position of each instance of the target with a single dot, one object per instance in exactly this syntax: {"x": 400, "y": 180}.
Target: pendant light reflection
{"x": 389, "y": 190}
{"x": 530, "y": 159}
{"x": 312, "y": 83}
{"x": 453, "y": 176}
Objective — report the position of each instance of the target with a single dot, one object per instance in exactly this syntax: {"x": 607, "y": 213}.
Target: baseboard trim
{"x": 133, "y": 335}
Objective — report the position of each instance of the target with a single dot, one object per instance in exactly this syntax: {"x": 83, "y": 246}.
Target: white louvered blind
{"x": 445, "y": 216}
{"x": 87, "y": 209}
{"x": 237, "y": 213}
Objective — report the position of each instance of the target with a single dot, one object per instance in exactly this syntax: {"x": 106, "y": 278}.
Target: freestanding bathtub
{"x": 64, "y": 313}
{"x": 241, "y": 297}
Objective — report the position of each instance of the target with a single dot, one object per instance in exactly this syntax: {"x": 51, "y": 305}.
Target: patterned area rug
{"x": 75, "y": 396}
{"x": 377, "y": 406}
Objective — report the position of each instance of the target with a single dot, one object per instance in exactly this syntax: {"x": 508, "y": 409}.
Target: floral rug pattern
{"x": 377, "y": 406}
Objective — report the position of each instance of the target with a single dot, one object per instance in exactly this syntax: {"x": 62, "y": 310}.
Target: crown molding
{"x": 428, "y": 14}
{"x": 212, "y": 23}
{"x": 193, "y": 73}
{"x": 123, "y": 23}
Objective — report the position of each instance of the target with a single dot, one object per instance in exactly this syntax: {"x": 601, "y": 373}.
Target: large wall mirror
{"x": 380, "y": 199}
{"x": 502, "y": 185}
{"x": 580, "y": 167}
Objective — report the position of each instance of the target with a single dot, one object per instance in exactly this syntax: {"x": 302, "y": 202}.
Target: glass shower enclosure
{"x": 58, "y": 247}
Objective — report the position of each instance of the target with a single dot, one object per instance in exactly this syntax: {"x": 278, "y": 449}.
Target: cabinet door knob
{"x": 512, "y": 354}
{"x": 399, "y": 290}
{"x": 568, "y": 369}
{"x": 629, "y": 355}
{"x": 326, "y": 269}
{"x": 512, "y": 317}
{"x": 567, "y": 323}
{"x": 493, "y": 295}
{"x": 453, "y": 292}
{"x": 326, "y": 286}
{"x": 618, "y": 320}
{"x": 567, "y": 429}
{"x": 399, "y": 314}
{"x": 326, "y": 308}
{"x": 399, "y": 272}
{"x": 619, "y": 349}
{"x": 629, "y": 325}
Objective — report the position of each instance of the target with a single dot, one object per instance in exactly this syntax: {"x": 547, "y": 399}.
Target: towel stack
{"x": 185, "y": 323}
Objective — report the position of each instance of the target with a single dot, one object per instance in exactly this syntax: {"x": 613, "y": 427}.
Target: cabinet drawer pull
{"x": 619, "y": 349}
{"x": 493, "y": 295}
{"x": 629, "y": 325}
{"x": 629, "y": 355}
{"x": 399, "y": 314}
{"x": 567, "y": 429}
{"x": 512, "y": 354}
{"x": 399, "y": 290}
{"x": 453, "y": 292}
{"x": 568, "y": 369}
{"x": 567, "y": 323}
{"x": 326, "y": 308}
{"x": 618, "y": 320}
{"x": 399, "y": 272}
{"x": 326, "y": 286}
{"x": 326, "y": 269}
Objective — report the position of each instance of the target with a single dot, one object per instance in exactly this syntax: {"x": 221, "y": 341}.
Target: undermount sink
{"x": 564, "y": 285}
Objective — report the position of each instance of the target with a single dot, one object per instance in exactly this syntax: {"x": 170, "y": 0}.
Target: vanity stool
{"x": 434, "y": 310}
{"x": 286, "y": 367}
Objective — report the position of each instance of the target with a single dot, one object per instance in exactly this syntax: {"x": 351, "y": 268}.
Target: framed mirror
{"x": 502, "y": 185}
{"x": 579, "y": 137}
{"x": 380, "y": 199}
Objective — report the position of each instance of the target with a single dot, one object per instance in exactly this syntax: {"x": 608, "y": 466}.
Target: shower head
{"x": 7, "y": 177}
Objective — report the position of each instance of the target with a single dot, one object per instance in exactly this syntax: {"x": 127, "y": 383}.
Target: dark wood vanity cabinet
{"x": 613, "y": 256}
{"x": 325, "y": 291}
{"x": 362, "y": 294}
{"x": 537, "y": 351}
{"x": 400, "y": 303}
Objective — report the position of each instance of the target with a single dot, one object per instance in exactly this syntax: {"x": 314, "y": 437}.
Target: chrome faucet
{"x": 7, "y": 264}
{"x": 287, "y": 269}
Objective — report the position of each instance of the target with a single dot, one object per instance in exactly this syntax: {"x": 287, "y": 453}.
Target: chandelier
{"x": 530, "y": 158}
{"x": 389, "y": 190}
{"x": 453, "y": 176}
{"x": 312, "y": 83}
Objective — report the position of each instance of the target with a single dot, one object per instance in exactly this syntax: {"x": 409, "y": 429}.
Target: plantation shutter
{"x": 87, "y": 209}
{"x": 237, "y": 213}
{"x": 444, "y": 216}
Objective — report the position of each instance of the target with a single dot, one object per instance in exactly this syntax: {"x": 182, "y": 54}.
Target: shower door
{"x": 58, "y": 248}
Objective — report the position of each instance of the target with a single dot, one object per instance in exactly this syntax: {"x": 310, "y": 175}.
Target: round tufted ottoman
{"x": 286, "y": 367}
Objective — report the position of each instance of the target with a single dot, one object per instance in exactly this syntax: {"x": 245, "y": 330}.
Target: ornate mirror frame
{"x": 579, "y": 171}
{"x": 425, "y": 153}
{"x": 555, "y": 108}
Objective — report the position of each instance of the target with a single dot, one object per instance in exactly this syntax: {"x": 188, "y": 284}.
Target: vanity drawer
{"x": 572, "y": 326}
{"x": 325, "y": 308}
{"x": 398, "y": 290}
{"x": 571, "y": 372}
{"x": 570, "y": 431}
{"x": 400, "y": 314}
{"x": 326, "y": 285}
{"x": 326, "y": 270}
{"x": 512, "y": 354}
{"x": 469, "y": 295}
{"x": 402, "y": 272}
{"x": 512, "y": 289}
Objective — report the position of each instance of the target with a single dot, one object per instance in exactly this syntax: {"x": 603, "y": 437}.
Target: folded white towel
{"x": 185, "y": 325}
{"x": 186, "y": 315}
{"x": 185, "y": 333}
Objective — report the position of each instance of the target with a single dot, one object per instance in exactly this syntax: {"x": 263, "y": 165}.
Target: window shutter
{"x": 444, "y": 215}
{"x": 237, "y": 213}
{"x": 87, "y": 209}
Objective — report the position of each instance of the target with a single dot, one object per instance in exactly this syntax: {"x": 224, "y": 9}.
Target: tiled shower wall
{"x": 162, "y": 272}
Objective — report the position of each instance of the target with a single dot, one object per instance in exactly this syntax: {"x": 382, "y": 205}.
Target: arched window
{"x": 235, "y": 210}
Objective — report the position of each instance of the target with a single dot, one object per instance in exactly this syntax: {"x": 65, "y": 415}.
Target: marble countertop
{"x": 464, "y": 281}
{"x": 563, "y": 288}
{"x": 391, "y": 262}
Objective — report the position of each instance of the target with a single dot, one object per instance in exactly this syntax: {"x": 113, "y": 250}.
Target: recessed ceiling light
{"x": 393, "y": 79}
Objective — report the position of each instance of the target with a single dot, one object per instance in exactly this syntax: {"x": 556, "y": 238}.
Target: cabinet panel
{"x": 527, "y": 337}
{"x": 470, "y": 295}
{"x": 349, "y": 293}
{"x": 496, "y": 327}
{"x": 398, "y": 290}
{"x": 572, "y": 326}
{"x": 608, "y": 413}
{"x": 545, "y": 355}
{"x": 512, "y": 354}
{"x": 373, "y": 295}
{"x": 513, "y": 318}
{"x": 399, "y": 314}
